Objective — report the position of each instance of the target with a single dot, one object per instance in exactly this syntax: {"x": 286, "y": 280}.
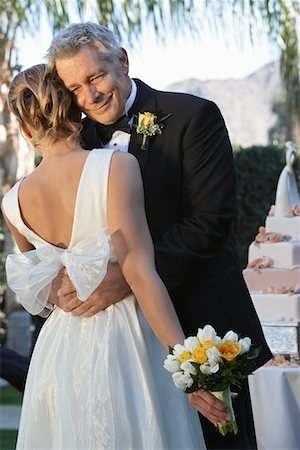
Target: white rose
{"x": 207, "y": 333}
{"x": 230, "y": 336}
{"x": 178, "y": 349}
{"x": 213, "y": 356}
{"x": 171, "y": 364}
{"x": 207, "y": 369}
{"x": 187, "y": 379}
{"x": 218, "y": 340}
{"x": 245, "y": 345}
{"x": 188, "y": 368}
{"x": 191, "y": 343}
{"x": 212, "y": 365}
{"x": 178, "y": 381}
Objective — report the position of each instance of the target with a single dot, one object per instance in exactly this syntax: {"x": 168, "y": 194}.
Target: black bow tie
{"x": 106, "y": 131}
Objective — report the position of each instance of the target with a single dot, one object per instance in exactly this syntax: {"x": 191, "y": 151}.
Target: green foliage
{"x": 258, "y": 170}
{"x": 279, "y": 131}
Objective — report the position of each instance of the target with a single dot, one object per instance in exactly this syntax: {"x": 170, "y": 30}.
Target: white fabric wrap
{"x": 30, "y": 274}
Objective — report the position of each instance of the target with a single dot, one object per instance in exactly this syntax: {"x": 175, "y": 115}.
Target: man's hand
{"x": 61, "y": 281}
{"x": 210, "y": 407}
{"x": 112, "y": 289}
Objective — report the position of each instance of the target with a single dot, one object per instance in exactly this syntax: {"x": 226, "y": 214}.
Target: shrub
{"x": 258, "y": 170}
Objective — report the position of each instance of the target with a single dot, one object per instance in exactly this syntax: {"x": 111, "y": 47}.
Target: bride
{"x": 98, "y": 382}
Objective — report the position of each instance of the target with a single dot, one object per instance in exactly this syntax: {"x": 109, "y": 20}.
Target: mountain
{"x": 246, "y": 103}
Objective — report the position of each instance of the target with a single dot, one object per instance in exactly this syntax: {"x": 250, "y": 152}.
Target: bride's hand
{"x": 210, "y": 407}
{"x": 112, "y": 289}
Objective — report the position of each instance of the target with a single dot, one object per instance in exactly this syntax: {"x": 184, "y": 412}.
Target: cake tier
{"x": 277, "y": 308}
{"x": 284, "y": 225}
{"x": 283, "y": 254}
{"x": 257, "y": 280}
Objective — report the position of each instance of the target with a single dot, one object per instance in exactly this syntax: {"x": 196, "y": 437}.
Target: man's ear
{"x": 124, "y": 61}
{"x": 25, "y": 130}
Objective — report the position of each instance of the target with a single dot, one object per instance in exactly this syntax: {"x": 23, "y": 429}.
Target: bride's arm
{"x": 133, "y": 245}
{"x": 21, "y": 241}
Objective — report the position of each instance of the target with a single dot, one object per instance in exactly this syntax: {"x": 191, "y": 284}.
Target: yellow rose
{"x": 146, "y": 119}
{"x": 199, "y": 355}
{"x": 208, "y": 344}
{"x": 229, "y": 349}
{"x": 184, "y": 356}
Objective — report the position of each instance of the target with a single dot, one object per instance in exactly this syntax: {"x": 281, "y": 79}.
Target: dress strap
{"x": 90, "y": 214}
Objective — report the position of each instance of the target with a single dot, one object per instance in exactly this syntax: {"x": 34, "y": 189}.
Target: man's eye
{"x": 97, "y": 77}
{"x": 74, "y": 90}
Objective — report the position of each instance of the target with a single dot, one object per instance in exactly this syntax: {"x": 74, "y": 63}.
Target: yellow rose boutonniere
{"x": 149, "y": 127}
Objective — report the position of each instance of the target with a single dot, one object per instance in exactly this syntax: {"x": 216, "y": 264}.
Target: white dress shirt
{"x": 120, "y": 139}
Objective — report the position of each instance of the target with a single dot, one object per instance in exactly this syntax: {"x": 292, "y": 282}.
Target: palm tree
{"x": 127, "y": 18}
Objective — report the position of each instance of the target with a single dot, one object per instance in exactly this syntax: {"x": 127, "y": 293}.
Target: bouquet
{"x": 209, "y": 362}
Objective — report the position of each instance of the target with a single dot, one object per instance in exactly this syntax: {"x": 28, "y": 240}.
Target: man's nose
{"x": 92, "y": 95}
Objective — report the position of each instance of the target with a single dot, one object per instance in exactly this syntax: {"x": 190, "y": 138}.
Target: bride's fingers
{"x": 211, "y": 408}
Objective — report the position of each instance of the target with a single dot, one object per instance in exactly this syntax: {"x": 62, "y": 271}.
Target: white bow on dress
{"x": 30, "y": 274}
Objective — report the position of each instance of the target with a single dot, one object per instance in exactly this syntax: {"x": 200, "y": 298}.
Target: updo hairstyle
{"x": 38, "y": 98}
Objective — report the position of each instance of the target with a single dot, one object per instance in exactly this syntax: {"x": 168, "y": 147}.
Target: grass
{"x": 9, "y": 396}
{"x": 8, "y": 439}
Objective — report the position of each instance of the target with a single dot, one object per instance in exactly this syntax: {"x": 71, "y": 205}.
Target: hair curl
{"x": 76, "y": 36}
{"x": 38, "y": 98}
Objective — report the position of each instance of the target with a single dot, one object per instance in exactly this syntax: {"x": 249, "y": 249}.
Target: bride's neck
{"x": 58, "y": 148}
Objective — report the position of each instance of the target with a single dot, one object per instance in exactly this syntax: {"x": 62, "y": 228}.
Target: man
{"x": 189, "y": 183}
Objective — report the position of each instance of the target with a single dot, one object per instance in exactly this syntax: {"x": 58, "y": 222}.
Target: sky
{"x": 160, "y": 64}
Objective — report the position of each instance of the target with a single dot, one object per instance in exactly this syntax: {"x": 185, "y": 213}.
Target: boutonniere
{"x": 149, "y": 126}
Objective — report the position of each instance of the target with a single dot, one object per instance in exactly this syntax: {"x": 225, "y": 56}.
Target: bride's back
{"x": 47, "y": 196}
{"x": 50, "y": 120}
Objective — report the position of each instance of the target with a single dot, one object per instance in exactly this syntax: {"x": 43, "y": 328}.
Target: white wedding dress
{"x": 93, "y": 383}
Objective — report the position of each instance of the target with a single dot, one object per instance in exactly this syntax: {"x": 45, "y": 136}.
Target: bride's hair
{"x": 38, "y": 98}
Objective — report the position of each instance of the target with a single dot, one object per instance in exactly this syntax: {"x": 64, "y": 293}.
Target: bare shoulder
{"x": 125, "y": 161}
{"x": 124, "y": 165}
{"x": 125, "y": 175}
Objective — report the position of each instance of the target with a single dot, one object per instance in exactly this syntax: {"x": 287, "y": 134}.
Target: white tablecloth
{"x": 275, "y": 396}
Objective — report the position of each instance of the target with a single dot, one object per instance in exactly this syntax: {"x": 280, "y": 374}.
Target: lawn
{"x": 8, "y": 439}
{"x": 9, "y": 396}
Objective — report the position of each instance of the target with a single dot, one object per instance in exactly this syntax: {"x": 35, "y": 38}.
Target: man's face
{"x": 100, "y": 89}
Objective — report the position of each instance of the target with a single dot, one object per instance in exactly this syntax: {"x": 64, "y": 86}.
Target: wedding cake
{"x": 273, "y": 272}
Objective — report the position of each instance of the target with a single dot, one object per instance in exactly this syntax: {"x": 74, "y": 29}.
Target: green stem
{"x": 144, "y": 142}
{"x": 231, "y": 425}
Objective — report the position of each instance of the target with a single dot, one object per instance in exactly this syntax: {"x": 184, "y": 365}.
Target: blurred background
{"x": 242, "y": 54}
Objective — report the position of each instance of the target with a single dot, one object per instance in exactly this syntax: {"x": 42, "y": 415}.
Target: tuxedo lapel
{"x": 145, "y": 102}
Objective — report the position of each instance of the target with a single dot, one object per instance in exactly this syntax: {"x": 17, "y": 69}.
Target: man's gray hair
{"x": 69, "y": 41}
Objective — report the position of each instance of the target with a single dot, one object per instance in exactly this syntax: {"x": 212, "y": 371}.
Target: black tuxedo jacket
{"x": 190, "y": 187}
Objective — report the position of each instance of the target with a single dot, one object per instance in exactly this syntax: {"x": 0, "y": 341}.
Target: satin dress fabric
{"x": 93, "y": 383}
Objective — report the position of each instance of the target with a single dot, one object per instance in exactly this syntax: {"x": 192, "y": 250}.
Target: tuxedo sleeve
{"x": 208, "y": 191}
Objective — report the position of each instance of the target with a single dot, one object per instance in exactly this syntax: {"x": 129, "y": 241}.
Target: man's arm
{"x": 111, "y": 290}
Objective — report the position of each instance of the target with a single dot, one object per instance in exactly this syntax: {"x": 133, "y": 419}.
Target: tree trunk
{"x": 16, "y": 160}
